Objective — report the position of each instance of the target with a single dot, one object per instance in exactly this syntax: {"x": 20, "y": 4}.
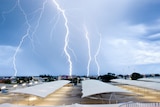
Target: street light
{"x": 15, "y": 85}
{"x": 36, "y": 82}
{"x": 24, "y": 84}
{"x": 3, "y": 87}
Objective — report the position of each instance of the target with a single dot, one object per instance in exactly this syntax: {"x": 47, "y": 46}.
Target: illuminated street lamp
{"x": 14, "y": 86}
{"x": 36, "y": 82}
{"x": 3, "y": 87}
{"x": 30, "y": 83}
{"x": 24, "y": 84}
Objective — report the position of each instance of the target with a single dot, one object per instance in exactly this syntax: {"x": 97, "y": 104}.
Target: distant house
{"x": 63, "y": 77}
{"x": 39, "y": 79}
{"x": 1, "y": 81}
{"x": 13, "y": 81}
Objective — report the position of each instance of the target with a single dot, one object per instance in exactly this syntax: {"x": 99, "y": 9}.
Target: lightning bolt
{"x": 37, "y": 25}
{"x": 6, "y": 12}
{"x": 27, "y": 32}
{"x": 97, "y": 52}
{"x": 51, "y": 34}
{"x": 89, "y": 51}
{"x": 22, "y": 39}
{"x": 66, "y": 35}
{"x": 73, "y": 53}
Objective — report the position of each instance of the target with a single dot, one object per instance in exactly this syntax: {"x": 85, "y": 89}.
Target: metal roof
{"x": 42, "y": 90}
{"x": 150, "y": 79}
{"x": 92, "y": 87}
{"x": 149, "y": 85}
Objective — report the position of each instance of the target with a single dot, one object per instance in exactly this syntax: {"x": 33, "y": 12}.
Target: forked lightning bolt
{"x": 73, "y": 53}
{"x": 56, "y": 22}
{"x": 26, "y": 34}
{"x": 22, "y": 39}
{"x": 66, "y": 35}
{"x": 89, "y": 51}
{"x": 6, "y": 12}
{"x": 97, "y": 52}
{"x": 37, "y": 25}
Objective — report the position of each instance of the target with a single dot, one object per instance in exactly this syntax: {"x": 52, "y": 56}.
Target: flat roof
{"x": 42, "y": 90}
{"x": 149, "y": 85}
{"x": 93, "y": 87}
{"x": 150, "y": 79}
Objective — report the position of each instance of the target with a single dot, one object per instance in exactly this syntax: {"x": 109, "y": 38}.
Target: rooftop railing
{"x": 132, "y": 104}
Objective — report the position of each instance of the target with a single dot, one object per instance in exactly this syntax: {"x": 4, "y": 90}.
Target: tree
{"x": 157, "y": 75}
{"x": 48, "y": 77}
{"x": 7, "y": 81}
{"x": 107, "y": 77}
{"x": 136, "y": 76}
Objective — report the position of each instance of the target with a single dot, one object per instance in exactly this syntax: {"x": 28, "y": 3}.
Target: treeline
{"x": 48, "y": 78}
{"x": 107, "y": 77}
{"x": 134, "y": 76}
{"x": 74, "y": 79}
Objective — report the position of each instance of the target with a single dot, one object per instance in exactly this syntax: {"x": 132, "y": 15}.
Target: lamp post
{"x": 24, "y": 84}
{"x": 15, "y": 86}
{"x": 3, "y": 89}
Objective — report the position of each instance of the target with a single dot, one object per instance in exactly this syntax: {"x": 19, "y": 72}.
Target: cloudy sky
{"x": 123, "y": 37}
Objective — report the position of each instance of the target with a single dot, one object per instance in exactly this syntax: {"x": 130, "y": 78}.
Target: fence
{"x": 132, "y": 104}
